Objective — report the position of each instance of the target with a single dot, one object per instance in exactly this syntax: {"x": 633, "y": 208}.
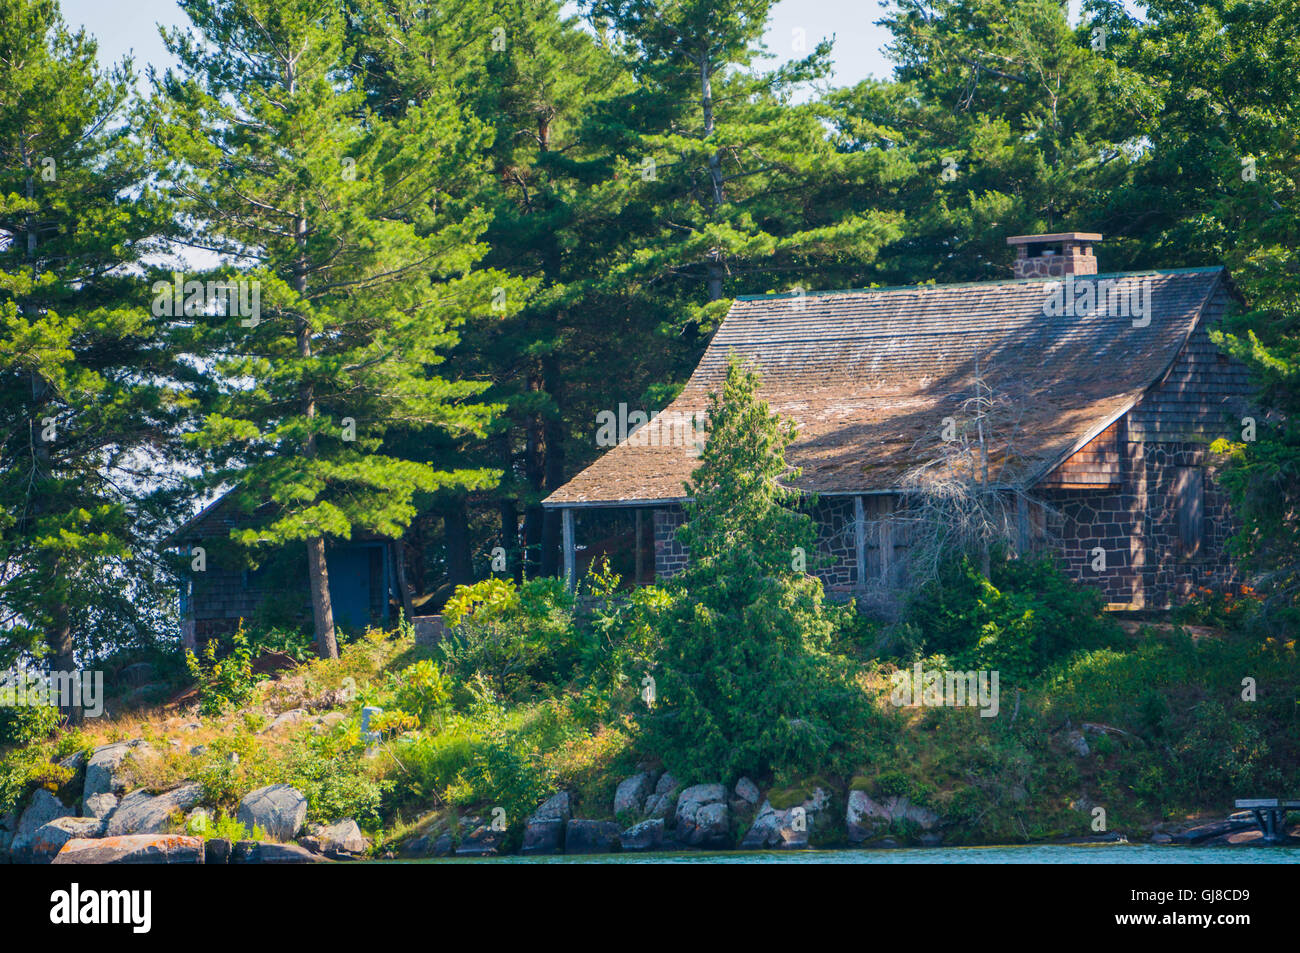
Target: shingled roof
{"x": 867, "y": 376}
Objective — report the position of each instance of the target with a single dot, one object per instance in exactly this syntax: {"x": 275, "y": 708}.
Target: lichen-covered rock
{"x": 482, "y": 841}
{"x": 869, "y": 818}
{"x": 631, "y": 795}
{"x": 48, "y": 840}
{"x": 648, "y": 835}
{"x": 279, "y": 810}
{"x": 133, "y": 849}
{"x": 99, "y": 805}
{"x": 142, "y": 813}
{"x": 341, "y": 840}
{"x": 543, "y": 836}
{"x": 43, "y": 809}
{"x": 557, "y": 807}
{"x": 590, "y": 837}
{"x": 703, "y": 818}
{"x": 104, "y": 770}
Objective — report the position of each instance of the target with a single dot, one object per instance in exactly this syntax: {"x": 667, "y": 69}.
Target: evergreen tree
{"x": 1225, "y": 174}
{"x": 84, "y": 404}
{"x": 745, "y": 681}
{"x": 1001, "y": 119}
{"x": 736, "y": 188}
{"x": 365, "y": 259}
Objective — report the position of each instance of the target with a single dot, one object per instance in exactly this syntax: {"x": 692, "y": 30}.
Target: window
{"x": 1189, "y": 501}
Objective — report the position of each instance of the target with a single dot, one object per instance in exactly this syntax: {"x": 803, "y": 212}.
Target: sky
{"x": 124, "y": 26}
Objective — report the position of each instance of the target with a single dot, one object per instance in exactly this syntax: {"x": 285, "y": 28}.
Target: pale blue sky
{"x": 122, "y": 26}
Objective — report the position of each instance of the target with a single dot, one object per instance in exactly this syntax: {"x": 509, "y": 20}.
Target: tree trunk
{"x": 715, "y": 269}
{"x": 317, "y": 571}
{"x": 323, "y": 613}
{"x": 553, "y": 466}
{"x": 456, "y": 525}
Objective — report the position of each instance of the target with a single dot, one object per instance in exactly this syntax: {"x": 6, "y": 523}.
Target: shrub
{"x": 514, "y": 638}
{"x": 226, "y": 683}
{"x": 1024, "y": 618}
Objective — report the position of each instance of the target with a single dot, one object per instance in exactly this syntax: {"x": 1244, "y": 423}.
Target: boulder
{"x": 99, "y": 805}
{"x": 217, "y": 851}
{"x": 43, "y": 809}
{"x": 45, "y": 844}
{"x": 590, "y": 837}
{"x": 631, "y": 795}
{"x": 868, "y": 817}
{"x": 555, "y": 808}
{"x": 341, "y": 840}
{"x": 431, "y": 844}
{"x": 543, "y": 836}
{"x": 703, "y": 816}
{"x": 262, "y": 852}
{"x": 790, "y": 828}
{"x": 664, "y": 799}
{"x": 133, "y": 849}
{"x": 104, "y": 771}
{"x": 648, "y": 835}
{"x": 747, "y": 790}
{"x": 141, "y": 813}
{"x": 1077, "y": 743}
{"x": 279, "y": 810}
{"x": 285, "y": 720}
{"x": 482, "y": 841}
{"x": 140, "y": 673}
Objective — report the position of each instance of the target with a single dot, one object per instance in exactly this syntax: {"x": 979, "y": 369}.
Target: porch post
{"x": 570, "y": 564}
{"x": 860, "y": 534}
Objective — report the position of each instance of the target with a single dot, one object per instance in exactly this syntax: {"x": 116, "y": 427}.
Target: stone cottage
{"x": 1117, "y": 392}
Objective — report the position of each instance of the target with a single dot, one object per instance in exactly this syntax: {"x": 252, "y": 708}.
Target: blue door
{"x": 349, "y": 573}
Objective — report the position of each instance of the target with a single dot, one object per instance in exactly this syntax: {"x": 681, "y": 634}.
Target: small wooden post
{"x": 860, "y": 530}
{"x": 570, "y": 562}
{"x": 640, "y": 555}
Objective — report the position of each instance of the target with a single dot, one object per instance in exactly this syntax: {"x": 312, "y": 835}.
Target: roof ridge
{"x": 780, "y": 295}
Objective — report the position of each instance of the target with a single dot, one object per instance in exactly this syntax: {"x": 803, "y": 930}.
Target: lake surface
{"x": 1031, "y": 854}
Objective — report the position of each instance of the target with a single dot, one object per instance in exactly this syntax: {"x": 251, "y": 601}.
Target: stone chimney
{"x": 1055, "y": 255}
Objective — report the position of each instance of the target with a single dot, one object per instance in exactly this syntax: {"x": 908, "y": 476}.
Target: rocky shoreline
{"x": 654, "y": 813}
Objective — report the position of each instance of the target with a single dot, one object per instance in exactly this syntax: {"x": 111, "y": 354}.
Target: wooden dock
{"x": 1270, "y": 813}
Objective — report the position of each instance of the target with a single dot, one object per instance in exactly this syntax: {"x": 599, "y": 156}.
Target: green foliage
{"x": 745, "y": 681}
{"x": 224, "y": 683}
{"x": 517, "y": 639}
{"x": 1026, "y": 617}
{"x": 484, "y": 602}
{"x": 422, "y": 690}
{"x": 24, "y": 718}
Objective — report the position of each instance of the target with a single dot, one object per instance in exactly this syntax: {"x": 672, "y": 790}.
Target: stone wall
{"x": 834, "y": 561}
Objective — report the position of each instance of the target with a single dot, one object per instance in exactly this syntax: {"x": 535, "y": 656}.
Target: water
{"x": 1031, "y": 854}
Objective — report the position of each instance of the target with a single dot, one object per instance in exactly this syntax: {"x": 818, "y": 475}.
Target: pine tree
{"x": 84, "y": 403}
{"x": 745, "y": 681}
{"x": 725, "y": 174}
{"x": 350, "y": 229}
{"x": 1001, "y": 119}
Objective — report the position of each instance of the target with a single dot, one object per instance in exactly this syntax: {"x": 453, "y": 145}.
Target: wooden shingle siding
{"x": 1097, "y": 464}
